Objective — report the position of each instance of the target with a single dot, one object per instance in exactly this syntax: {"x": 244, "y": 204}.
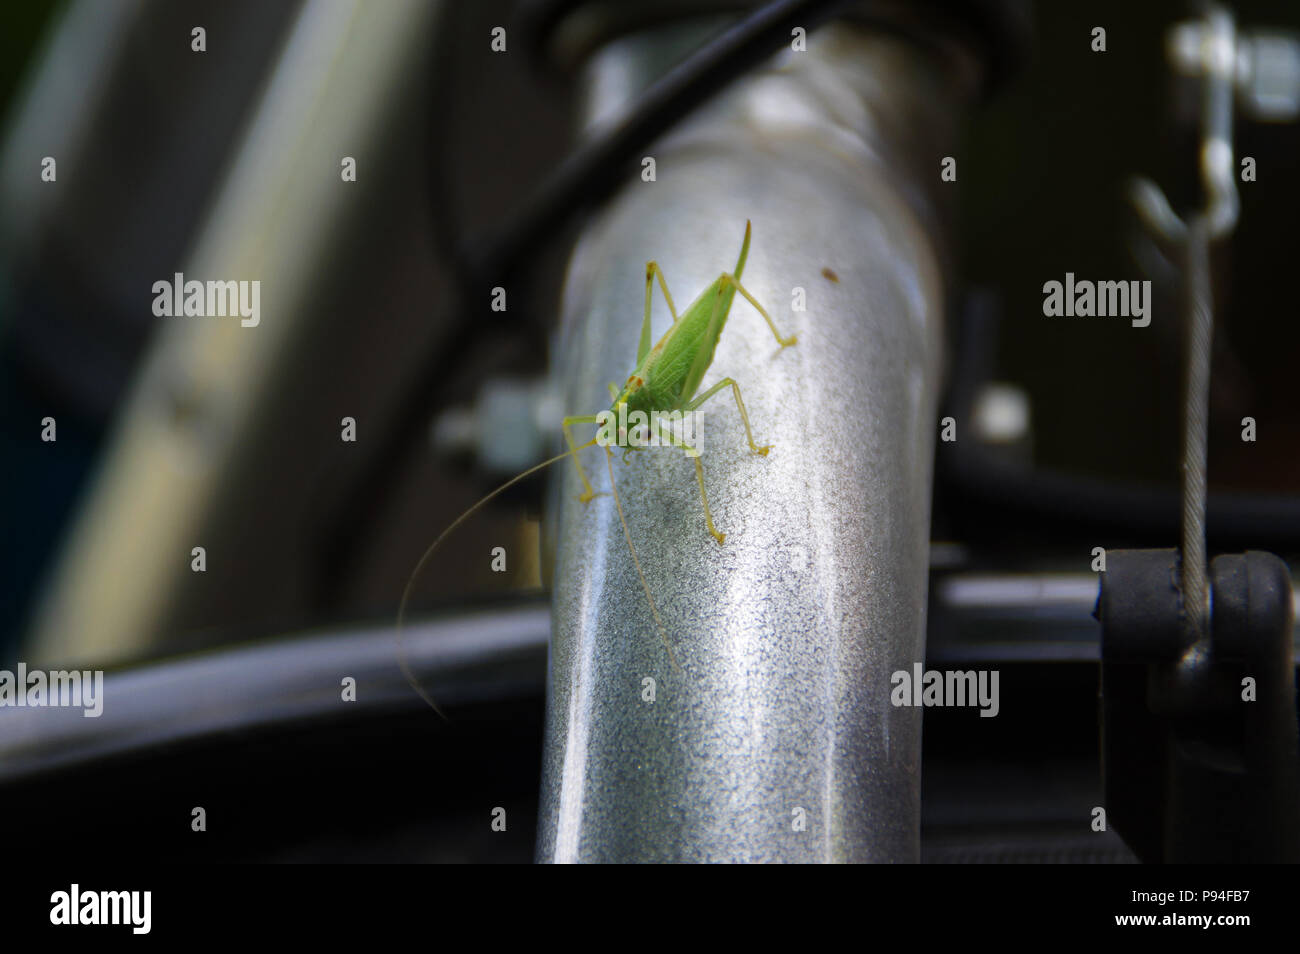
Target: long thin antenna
{"x": 410, "y": 583}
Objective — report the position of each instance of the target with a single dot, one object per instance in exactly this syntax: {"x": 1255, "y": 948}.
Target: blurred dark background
{"x": 147, "y": 131}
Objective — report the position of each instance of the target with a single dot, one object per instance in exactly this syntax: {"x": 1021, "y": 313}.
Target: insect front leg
{"x": 783, "y": 342}
{"x": 740, "y": 406}
{"x": 587, "y": 493}
{"x": 652, "y": 271}
{"x": 666, "y": 433}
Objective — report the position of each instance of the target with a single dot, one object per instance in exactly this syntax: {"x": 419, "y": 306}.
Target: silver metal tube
{"x": 777, "y": 741}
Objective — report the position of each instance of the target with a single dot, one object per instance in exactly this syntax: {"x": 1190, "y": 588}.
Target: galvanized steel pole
{"x": 778, "y": 740}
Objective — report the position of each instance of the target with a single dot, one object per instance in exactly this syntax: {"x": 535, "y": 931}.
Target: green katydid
{"x": 665, "y": 379}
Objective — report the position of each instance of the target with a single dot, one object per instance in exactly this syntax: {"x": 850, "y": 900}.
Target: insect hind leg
{"x": 728, "y": 279}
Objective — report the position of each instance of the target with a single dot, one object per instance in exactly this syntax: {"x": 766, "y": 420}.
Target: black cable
{"x": 996, "y": 498}
{"x": 595, "y": 169}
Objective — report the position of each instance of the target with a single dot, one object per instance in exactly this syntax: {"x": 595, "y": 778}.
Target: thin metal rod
{"x": 1196, "y": 399}
{"x": 1206, "y": 48}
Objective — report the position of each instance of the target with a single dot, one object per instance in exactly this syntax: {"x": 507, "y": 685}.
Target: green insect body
{"x": 676, "y": 364}
{"x": 665, "y": 379}
{"x": 668, "y": 375}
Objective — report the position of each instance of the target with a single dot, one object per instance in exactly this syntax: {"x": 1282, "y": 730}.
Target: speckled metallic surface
{"x": 789, "y": 632}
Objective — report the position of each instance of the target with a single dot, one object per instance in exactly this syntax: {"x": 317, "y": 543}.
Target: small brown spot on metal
{"x": 826, "y": 272}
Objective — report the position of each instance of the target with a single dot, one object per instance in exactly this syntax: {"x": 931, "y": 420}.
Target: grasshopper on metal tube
{"x": 666, "y": 379}
{"x": 668, "y": 375}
